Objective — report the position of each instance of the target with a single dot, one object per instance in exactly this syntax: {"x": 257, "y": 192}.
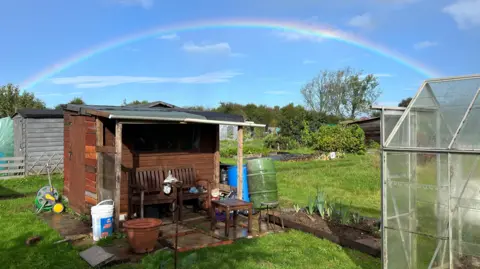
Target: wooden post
{"x": 99, "y": 170}
{"x": 118, "y": 172}
{"x": 240, "y": 163}
{"x": 216, "y": 157}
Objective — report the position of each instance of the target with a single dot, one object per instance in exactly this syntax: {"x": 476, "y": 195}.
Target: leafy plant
{"x": 356, "y": 218}
{"x": 320, "y": 202}
{"x": 297, "y": 208}
{"x": 311, "y": 206}
{"x": 350, "y": 139}
{"x": 328, "y": 209}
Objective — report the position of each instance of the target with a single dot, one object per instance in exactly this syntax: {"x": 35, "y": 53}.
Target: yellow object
{"x": 49, "y": 197}
{"x": 58, "y": 208}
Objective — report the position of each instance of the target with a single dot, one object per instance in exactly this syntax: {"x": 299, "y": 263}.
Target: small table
{"x": 228, "y": 205}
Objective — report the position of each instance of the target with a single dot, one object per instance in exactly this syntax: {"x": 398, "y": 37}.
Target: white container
{"x": 102, "y": 219}
{"x": 333, "y": 155}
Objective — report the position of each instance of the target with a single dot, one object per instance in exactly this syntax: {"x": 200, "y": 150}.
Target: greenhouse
{"x": 431, "y": 177}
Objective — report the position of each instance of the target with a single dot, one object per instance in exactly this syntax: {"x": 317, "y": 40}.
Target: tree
{"x": 344, "y": 93}
{"x": 375, "y": 114}
{"x": 11, "y": 100}
{"x": 75, "y": 101}
{"x": 405, "y": 102}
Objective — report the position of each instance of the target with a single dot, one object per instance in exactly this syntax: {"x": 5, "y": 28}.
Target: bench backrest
{"x": 149, "y": 178}
{"x": 185, "y": 174}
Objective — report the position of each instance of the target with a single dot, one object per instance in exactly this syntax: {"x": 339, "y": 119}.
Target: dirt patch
{"x": 363, "y": 231}
{"x": 467, "y": 262}
{"x": 364, "y": 239}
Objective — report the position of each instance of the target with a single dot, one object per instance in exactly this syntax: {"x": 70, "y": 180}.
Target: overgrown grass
{"x": 354, "y": 179}
{"x": 18, "y": 222}
{"x": 292, "y": 249}
{"x": 288, "y": 250}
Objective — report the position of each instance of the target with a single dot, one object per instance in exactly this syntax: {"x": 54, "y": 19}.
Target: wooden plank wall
{"x": 202, "y": 161}
{"x": 90, "y": 160}
{"x": 19, "y": 138}
{"x": 371, "y": 129}
{"x": 43, "y": 142}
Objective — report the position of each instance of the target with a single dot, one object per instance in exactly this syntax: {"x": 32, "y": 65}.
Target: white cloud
{"x": 105, "y": 81}
{"x": 220, "y": 48}
{"x": 143, "y": 3}
{"x": 363, "y": 21}
{"x": 424, "y": 45}
{"x": 466, "y": 13}
{"x": 306, "y": 61}
{"x": 277, "y": 92}
{"x": 171, "y": 36}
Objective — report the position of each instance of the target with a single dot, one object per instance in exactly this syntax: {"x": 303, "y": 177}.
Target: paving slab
{"x": 96, "y": 256}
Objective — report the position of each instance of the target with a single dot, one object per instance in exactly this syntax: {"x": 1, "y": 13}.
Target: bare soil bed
{"x": 363, "y": 236}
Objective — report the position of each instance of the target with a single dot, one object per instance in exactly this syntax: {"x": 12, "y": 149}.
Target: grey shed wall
{"x": 39, "y": 140}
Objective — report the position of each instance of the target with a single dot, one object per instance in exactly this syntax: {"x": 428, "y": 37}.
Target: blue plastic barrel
{"x": 2, "y": 162}
{"x": 232, "y": 180}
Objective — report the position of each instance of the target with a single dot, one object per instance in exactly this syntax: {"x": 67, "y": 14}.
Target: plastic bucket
{"x": 102, "y": 219}
{"x": 233, "y": 177}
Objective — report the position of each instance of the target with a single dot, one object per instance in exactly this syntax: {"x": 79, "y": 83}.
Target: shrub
{"x": 280, "y": 142}
{"x": 371, "y": 144}
{"x": 341, "y": 138}
{"x": 231, "y": 151}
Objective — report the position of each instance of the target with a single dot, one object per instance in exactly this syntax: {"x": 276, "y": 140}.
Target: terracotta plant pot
{"x": 142, "y": 234}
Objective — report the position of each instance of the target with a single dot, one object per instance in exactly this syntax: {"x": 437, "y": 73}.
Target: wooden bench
{"x": 145, "y": 187}
{"x": 187, "y": 175}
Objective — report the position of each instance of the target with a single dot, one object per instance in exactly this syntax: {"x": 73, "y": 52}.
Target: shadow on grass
{"x": 291, "y": 249}
{"x": 43, "y": 254}
{"x": 7, "y": 193}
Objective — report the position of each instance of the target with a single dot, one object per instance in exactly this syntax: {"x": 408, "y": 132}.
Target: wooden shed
{"x": 103, "y": 144}
{"x": 371, "y": 127}
{"x": 39, "y": 139}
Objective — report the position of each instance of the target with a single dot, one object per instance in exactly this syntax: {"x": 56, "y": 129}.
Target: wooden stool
{"x": 226, "y": 206}
{"x": 268, "y": 206}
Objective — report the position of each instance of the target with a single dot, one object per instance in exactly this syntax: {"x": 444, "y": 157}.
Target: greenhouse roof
{"x": 443, "y": 115}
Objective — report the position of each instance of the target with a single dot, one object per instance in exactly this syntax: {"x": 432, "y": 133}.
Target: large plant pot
{"x": 142, "y": 234}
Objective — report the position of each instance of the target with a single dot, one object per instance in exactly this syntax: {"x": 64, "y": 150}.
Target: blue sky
{"x": 244, "y": 65}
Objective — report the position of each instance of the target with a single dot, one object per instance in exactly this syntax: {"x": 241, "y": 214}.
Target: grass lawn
{"x": 354, "y": 179}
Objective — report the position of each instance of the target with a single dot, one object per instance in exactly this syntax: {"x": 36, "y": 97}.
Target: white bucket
{"x": 102, "y": 219}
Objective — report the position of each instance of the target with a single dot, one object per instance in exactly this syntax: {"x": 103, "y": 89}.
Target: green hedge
{"x": 227, "y": 152}
{"x": 350, "y": 139}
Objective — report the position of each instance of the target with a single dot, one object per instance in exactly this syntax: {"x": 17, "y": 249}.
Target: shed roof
{"x": 364, "y": 120}
{"x": 156, "y": 104}
{"x": 39, "y": 113}
{"x": 161, "y": 114}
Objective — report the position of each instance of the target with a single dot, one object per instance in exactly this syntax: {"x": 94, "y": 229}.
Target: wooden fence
{"x": 12, "y": 167}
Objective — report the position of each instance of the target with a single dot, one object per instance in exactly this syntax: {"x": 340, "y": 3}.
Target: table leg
{"x": 213, "y": 218}
{"x": 227, "y": 221}
{"x": 235, "y": 218}
{"x": 250, "y": 209}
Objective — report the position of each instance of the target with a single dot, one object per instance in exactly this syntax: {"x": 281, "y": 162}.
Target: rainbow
{"x": 287, "y": 26}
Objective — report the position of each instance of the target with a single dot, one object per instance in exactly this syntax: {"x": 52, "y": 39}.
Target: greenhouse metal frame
{"x": 431, "y": 177}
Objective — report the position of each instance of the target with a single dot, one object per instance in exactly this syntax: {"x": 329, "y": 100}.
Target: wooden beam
{"x": 118, "y": 173}
{"x": 240, "y": 163}
{"x": 216, "y": 157}
{"x": 105, "y": 149}
{"x": 99, "y": 135}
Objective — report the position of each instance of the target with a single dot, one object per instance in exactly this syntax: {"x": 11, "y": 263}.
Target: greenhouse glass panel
{"x": 431, "y": 178}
